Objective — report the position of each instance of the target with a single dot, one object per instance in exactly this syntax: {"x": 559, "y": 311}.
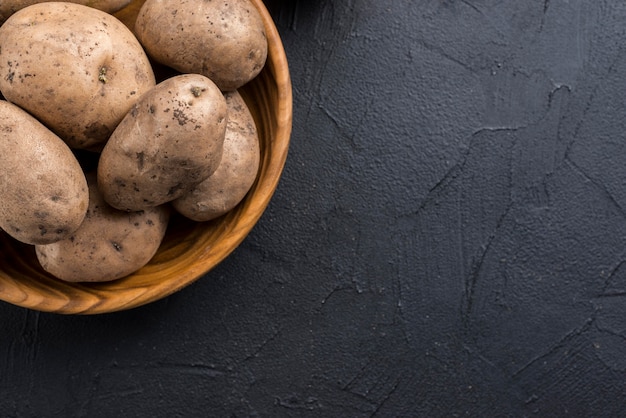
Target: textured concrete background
{"x": 448, "y": 238}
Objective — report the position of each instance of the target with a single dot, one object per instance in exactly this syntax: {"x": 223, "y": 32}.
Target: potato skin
{"x": 43, "y": 191}
{"x": 109, "y": 244}
{"x": 224, "y": 40}
{"x": 171, "y": 140}
{"x": 237, "y": 171}
{"x": 8, "y": 7}
{"x": 75, "y": 68}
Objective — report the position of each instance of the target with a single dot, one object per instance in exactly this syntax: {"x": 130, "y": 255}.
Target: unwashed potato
{"x": 75, "y": 68}
{"x": 109, "y": 244}
{"x": 8, "y": 7}
{"x": 224, "y": 40}
{"x": 43, "y": 191}
{"x": 232, "y": 179}
{"x": 170, "y": 141}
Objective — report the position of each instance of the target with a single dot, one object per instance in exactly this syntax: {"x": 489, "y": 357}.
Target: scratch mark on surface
{"x": 263, "y": 344}
{"x": 293, "y": 402}
{"x": 189, "y": 369}
{"x": 337, "y": 288}
{"x": 120, "y": 394}
{"x": 352, "y": 135}
{"x": 581, "y": 120}
{"x": 617, "y": 294}
{"x": 552, "y": 94}
{"x": 456, "y": 169}
{"x": 358, "y": 375}
{"x": 546, "y": 5}
{"x": 555, "y": 347}
{"x": 399, "y": 316}
{"x": 332, "y": 292}
{"x": 472, "y": 6}
{"x": 579, "y": 37}
{"x": 452, "y": 173}
{"x": 590, "y": 101}
{"x": 473, "y": 352}
{"x": 609, "y": 278}
{"x": 471, "y": 280}
{"x": 599, "y": 185}
{"x": 442, "y": 53}
{"x": 386, "y": 398}
{"x": 611, "y": 332}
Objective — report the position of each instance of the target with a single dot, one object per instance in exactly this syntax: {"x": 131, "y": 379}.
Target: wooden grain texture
{"x": 189, "y": 249}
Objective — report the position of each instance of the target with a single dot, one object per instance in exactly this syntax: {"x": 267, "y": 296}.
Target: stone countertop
{"x": 448, "y": 238}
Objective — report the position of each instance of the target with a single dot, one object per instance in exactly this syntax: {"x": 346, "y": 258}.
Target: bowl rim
{"x": 106, "y": 297}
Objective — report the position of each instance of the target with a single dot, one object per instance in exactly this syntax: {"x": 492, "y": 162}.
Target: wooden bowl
{"x": 190, "y": 249}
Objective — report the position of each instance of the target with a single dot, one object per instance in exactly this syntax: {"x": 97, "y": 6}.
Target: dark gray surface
{"x": 448, "y": 238}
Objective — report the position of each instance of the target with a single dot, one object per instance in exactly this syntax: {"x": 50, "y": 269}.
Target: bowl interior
{"x": 190, "y": 249}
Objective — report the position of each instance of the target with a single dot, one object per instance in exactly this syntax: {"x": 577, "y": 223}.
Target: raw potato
{"x": 75, "y": 68}
{"x": 171, "y": 140}
{"x": 228, "y": 185}
{"x": 43, "y": 191}
{"x": 8, "y": 7}
{"x": 224, "y": 40}
{"x": 109, "y": 245}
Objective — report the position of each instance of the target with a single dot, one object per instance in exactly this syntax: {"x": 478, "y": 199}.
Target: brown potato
{"x": 171, "y": 140}
{"x": 232, "y": 179}
{"x": 43, "y": 191}
{"x": 109, "y": 244}
{"x": 8, "y": 7}
{"x": 223, "y": 40}
{"x": 75, "y": 68}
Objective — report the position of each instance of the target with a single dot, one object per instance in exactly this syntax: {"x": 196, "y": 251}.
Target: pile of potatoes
{"x": 79, "y": 86}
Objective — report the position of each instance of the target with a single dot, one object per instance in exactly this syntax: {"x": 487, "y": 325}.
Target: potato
{"x": 170, "y": 141}
{"x": 8, "y": 7}
{"x": 232, "y": 179}
{"x": 43, "y": 191}
{"x": 224, "y": 40}
{"x": 109, "y": 245}
{"x": 75, "y": 68}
